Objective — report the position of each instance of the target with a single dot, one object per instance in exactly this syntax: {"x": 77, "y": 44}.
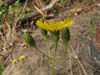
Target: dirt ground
{"x": 37, "y": 64}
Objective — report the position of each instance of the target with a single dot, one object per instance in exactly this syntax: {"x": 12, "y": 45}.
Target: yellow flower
{"x": 21, "y": 57}
{"x": 0, "y": 13}
{"x": 54, "y": 27}
{"x": 14, "y": 61}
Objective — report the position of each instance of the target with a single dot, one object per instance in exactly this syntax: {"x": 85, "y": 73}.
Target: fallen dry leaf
{"x": 98, "y": 4}
{"x": 51, "y": 15}
{"x": 39, "y": 3}
{"x": 59, "y": 5}
{"x": 74, "y": 42}
{"x": 1, "y": 45}
{"x": 31, "y": 23}
{"x": 33, "y": 27}
{"x": 37, "y": 35}
{"x": 75, "y": 11}
{"x": 6, "y": 30}
{"x": 39, "y": 11}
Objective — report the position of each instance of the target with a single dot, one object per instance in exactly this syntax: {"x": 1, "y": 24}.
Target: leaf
{"x": 10, "y": 8}
{"x": 17, "y": 3}
{"x": 39, "y": 4}
{"x": 1, "y": 69}
{"x": 75, "y": 11}
{"x": 3, "y": 10}
{"x": 27, "y": 9}
{"x": 74, "y": 42}
{"x": 7, "y": 30}
{"x": 18, "y": 11}
{"x": 22, "y": 15}
{"x": 62, "y": 2}
{"x": 1, "y": 3}
{"x": 51, "y": 15}
{"x": 94, "y": 31}
{"x": 98, "y": 4}
{"x": 94, "y": 17}
{"x": 97, "y": 17}
{"x": 91, "y": 23}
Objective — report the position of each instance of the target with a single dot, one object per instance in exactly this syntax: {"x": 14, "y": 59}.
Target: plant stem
{"x": 52, "y": 67}
{"x": 24, "y": 67}
{"x": 55, "y": 51}
{"x": 48, "y": 46}
{"x": 43, "y": 53}
{"x": 53, "y": 61}
{"x": 64, "y": 52}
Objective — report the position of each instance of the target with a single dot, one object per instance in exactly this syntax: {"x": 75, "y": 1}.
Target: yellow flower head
{"x": 21, "y": 57}
{"x": 14, "y": 61}
{"x": 0, "y": 13}
{"x": 54, "y": 27}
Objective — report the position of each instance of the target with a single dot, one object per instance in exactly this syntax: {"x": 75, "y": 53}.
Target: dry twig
{"x": 48, "y": 7}
{"x": 71, "y": 65}
{"x": 76, "y": 57}
{"x": 29, "y": 15}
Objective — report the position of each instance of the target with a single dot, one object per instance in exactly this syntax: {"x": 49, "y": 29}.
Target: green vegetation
{"x": 12, "y": 10}
{"x": 1, "y": 69}
{"x": 92, "y": 26}
{"x": 95, "y": 17}
{"x": 62, "y": 2}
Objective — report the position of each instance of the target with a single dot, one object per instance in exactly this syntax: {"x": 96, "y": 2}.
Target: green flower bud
{"x": 29, "y": 40}
{"x": 43, "y": 32}
{"x": 55, "y": 36}
{"x": 65, "y": 34}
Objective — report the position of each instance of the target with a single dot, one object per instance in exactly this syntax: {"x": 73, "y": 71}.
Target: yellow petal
{"x": 21, "y": 57}
{"x": 54, "y": 27}
{"x": 14, "y": 61}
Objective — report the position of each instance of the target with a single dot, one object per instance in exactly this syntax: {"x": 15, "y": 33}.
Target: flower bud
{"x": 55, "y": 36}
{"x": 65, "y": 34}
{"x": 43, "y": 32}
{"x": 29, "y": 40}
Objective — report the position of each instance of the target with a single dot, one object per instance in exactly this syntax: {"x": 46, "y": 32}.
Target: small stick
{"x": 76, "y": 57}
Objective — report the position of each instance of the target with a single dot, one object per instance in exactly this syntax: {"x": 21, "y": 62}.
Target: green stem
{"x": 53, "y": 61}
{"x": 64, "y": 52}
{"x": 43, "y": 53}
{"x": 55, "y": 51}
{"x": 24, "y": 67}
{"x": 52, "y": 67}
{"x": 48, "y": 46}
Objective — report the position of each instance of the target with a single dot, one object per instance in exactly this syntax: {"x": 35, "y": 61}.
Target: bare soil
{"x": 37, "y": 64}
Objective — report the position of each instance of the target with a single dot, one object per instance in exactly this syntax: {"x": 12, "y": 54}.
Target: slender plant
{"x": 21, "y": 60}
{"x": 54, "y": 29}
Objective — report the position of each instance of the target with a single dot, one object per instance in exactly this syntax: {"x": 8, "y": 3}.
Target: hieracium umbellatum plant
{"x": 21, "y": 60}
{"x": 54, "y": 29}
